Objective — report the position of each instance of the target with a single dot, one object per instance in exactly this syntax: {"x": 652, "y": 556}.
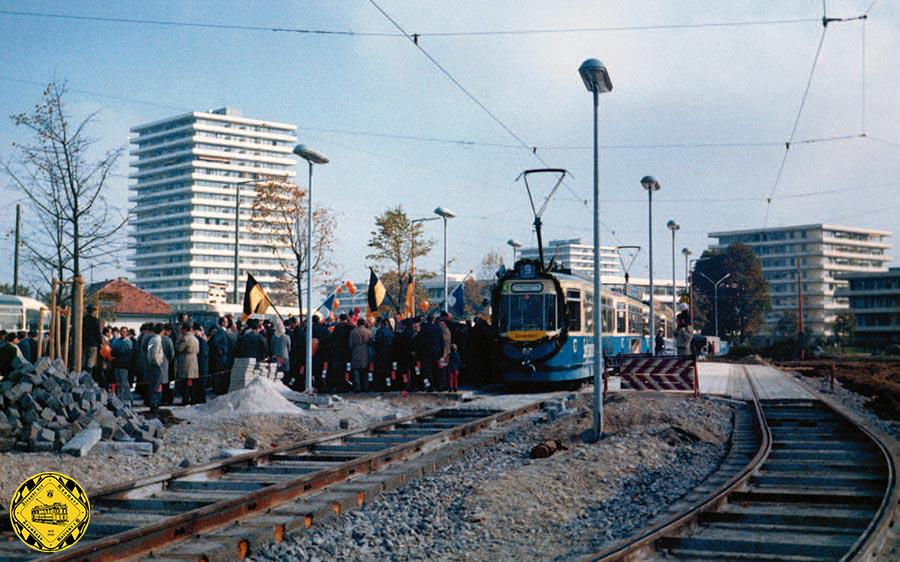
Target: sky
{"x": 674, "y": 88}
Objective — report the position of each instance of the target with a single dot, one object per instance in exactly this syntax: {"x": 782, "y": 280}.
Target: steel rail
{"x": 144, "y": 539}
{"x": 864, "y": 548}
{"x": 634, "y": 546}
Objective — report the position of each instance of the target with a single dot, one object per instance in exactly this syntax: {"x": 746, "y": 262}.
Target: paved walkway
{"x": 727, "y": 379}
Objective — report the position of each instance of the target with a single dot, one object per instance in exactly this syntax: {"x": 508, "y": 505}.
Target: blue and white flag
{"x": 329, "y": 303}
{"x": 457, "y": 301}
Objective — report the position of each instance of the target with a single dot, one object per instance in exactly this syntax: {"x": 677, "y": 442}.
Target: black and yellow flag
{"x": 375, "y": 294}
{"x": 255, "y": 299}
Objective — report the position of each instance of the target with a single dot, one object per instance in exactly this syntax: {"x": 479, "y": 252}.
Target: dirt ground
{"x": 877, "y": 379}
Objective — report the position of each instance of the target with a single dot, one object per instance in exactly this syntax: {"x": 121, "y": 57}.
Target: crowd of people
{"x": 352, "y": 353}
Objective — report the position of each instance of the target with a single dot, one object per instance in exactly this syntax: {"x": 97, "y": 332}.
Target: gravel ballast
{"x": 498, "y": 504}
{"x": 199, "y": 439}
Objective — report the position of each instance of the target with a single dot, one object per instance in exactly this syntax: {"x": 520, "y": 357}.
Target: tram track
{"x": 819, "y": 487}
{"x": 268, "y": 492}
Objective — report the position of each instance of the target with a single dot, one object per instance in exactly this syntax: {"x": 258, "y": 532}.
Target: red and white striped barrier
{"x": 664, "y": 373}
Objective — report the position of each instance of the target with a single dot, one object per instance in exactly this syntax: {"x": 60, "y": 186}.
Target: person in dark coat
{"x": 426, "y": 352}
{"x": 219, "y": 356}
{"x": 660, "y": 342}
{"x": 29, "y": 346}
{"x": 251, "y": 343}
{"x": 339, "y": 360}
{"x": 90, "y": 342}
{"x": 384, "y": 354}
{"x": 321, "y": 351}
{"x": 122, "y": 353}
{"x": 479, "y": 345}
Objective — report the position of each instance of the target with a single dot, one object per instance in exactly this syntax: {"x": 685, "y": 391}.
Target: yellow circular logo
{"x": 50, "y": 512}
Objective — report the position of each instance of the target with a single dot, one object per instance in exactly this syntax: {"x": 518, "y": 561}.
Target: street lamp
{"x": 690, "y": 281}
{"x": 311, "y": 157}
{"x": 445, "y": 214}
{"x": 596, "y": 80}
{"x": 515, "y": 246}
{"x": 237, "y": 230}
{"x": 412, "y": 254}
{"x": 715, "y": 285}
{"x": 651, "y": 185}
{"x": 673, "y": 226}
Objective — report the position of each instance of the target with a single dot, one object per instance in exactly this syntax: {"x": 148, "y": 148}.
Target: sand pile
{"x": 261, "y": 396}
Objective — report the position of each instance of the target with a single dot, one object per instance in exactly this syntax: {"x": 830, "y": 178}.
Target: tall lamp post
{"x": 412, "y": 254}
{"x": 515, "y": 244}
{"x": 312, "y": 157}
{"x": 596, "y": 80}
{"x": 651, "y": 185}
{"x": 715, "y": 285}
{"x": 673, "y": 226}
{"x": 690, "y": 281}
{"x": 237, "y": 230}
{"x": 445, "y": 214}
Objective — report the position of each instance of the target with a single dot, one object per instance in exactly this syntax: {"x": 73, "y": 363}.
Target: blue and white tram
{"x": 543, "y": 325}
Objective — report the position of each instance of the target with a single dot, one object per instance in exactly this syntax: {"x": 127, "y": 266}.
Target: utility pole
{"x": 800, "y": 310}
{"x": 16, "y": 251}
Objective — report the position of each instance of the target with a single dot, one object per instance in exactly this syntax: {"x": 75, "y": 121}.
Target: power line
{"x": 787, "y": 146}
{"x": 415, "y": 41}
{"x": 202, "y": 25}
{"x": 651, "y": 27}
{"x": 96, "y": 94}
{"x": 418, "y": 35}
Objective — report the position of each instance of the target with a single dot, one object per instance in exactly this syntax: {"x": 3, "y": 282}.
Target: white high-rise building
{"x": 577, "y": 255}
{"x": 184, "y": 197}
{"x": 821, "y": 254}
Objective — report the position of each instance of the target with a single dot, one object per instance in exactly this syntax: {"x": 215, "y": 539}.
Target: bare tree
{"x": 279, "y": 213}
{"x": 64, "y": 186}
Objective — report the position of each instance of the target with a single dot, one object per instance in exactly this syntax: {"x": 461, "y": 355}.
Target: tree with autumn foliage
{"x": 279, "y": 213}
{"x": 397, "y": 241}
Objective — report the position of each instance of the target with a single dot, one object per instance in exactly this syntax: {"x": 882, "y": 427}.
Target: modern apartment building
{"x": 821, "y": 254}
{"x": 577, "y": 255}
{"x": 875, "y": 305}
{"x": 186, "y": 175}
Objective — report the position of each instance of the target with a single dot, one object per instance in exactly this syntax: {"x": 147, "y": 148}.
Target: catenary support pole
{"x": 598, "y": 288}
{"x": 309, "y": 310}
{"x": 16, "y": 250}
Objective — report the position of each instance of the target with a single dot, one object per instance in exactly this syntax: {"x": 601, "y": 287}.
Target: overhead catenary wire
{"x": 418, "y": 35}
{"x": 787, "y": 146}
{"x": 415, "y": 42}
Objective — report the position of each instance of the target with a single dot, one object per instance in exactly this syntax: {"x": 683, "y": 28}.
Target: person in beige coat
{"x": 186, "y": 367}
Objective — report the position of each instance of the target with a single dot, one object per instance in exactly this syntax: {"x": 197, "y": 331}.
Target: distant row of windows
{"x": 884, "y": 301}
{"x": 752, "y": 237}
{"x": 882, "y": 319}
{"x": 875, "y": 284}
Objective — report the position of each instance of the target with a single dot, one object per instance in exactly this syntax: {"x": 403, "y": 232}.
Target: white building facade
{"x": 823, "y": 253}
{"x": 184, "y": 195}
{"x": 578, "y": 256}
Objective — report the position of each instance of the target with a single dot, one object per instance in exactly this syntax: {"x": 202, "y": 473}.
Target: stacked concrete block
{"x": 44, "y": 408}
{"x": 241, "y": 373}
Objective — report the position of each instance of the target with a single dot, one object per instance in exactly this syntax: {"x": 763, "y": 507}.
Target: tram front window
{"x": 528, "y": 313}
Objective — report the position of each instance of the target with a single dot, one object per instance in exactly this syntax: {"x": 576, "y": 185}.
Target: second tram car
{"x": 543, "y": 324}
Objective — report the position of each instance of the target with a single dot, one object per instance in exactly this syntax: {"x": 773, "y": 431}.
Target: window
{"x": 573, "y": 303}
{"x": 528, "y": 312}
